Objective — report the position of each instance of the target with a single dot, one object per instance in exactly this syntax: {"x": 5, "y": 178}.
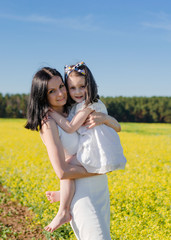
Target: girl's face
{"x": 57, "y": 94}
{"x": 77, "y": 88}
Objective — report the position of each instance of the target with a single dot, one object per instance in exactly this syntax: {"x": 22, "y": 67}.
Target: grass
{"x": 139, "y": 195}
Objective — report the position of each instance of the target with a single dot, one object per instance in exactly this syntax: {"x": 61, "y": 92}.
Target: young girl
{"x": 99, "y": 149}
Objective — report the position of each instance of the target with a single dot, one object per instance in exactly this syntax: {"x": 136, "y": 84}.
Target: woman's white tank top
{"x": 69, "y": 141}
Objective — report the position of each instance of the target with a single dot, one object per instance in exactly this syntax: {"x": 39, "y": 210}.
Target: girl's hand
{"x": 51, "y": 109}
{"x": 51, "y": 113}
{"x": 48, "y": 115}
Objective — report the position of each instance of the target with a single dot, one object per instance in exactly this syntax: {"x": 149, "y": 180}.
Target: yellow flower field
{"x": 139, "y": 195}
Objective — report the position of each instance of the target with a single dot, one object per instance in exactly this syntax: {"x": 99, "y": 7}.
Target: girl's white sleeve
{"x": 96, "y": 106}
{"x": 80, "y": 106}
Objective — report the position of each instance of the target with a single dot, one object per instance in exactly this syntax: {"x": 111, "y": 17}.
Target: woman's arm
{"x": 50, "y": 136}
{"x": 75, "y": 123}
{"x": 98, "y": 118}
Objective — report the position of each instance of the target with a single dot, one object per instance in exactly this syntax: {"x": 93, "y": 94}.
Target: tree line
{"x": 124, "y": 109}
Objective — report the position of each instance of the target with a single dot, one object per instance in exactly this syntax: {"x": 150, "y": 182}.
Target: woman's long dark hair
{"x": 38, "y": 104}
{"x": 92, "y": 91}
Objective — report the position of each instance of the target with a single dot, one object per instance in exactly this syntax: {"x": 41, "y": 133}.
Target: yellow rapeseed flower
{"x": 139, "y": 195}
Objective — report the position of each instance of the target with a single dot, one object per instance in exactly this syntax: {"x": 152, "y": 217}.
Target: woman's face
{"x": 57, "y": 94}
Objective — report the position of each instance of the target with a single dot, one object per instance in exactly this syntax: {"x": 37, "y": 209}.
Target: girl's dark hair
{"x": 92, "y": 91}
{"x": 38, "y": 105}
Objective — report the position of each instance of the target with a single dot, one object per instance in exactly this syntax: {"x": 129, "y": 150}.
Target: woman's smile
{"x": 59, "y": 100}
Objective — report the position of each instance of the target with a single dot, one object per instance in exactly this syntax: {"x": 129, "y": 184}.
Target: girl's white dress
{"x": 99, "y": 149}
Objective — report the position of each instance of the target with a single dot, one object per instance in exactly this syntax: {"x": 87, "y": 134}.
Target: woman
{"x": 90, "y": 208}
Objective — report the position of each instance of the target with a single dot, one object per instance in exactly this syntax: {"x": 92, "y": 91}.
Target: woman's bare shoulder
{"x": 48, "y": 125}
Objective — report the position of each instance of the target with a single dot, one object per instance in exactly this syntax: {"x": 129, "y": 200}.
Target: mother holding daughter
{"x": 80, "y": 161}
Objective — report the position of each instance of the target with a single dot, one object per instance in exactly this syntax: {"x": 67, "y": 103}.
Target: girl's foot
{"x": 53, "y": 196}
{"x": 59, "y": 219}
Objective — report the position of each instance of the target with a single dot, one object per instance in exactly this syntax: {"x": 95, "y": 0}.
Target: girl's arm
{"x": 98, "y": 118}
{"x": 50, "y": 136}
{"x": 75, "y": 123}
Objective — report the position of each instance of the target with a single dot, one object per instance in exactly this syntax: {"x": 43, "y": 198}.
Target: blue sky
{"x": 126, "y": 43}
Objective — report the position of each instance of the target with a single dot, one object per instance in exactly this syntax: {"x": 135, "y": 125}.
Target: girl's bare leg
{"x": 53, "y": 196}
{"x": 67, "y": 190}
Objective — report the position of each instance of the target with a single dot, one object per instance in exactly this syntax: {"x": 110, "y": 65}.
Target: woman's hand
{"x": 95, "y": 119}
{"x": 98, "y": 118}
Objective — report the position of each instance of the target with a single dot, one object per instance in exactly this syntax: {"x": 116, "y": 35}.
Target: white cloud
{"x": 84, "y": 23}
{"x": 162, "y": 26}
{"x": 159, "y": 20}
